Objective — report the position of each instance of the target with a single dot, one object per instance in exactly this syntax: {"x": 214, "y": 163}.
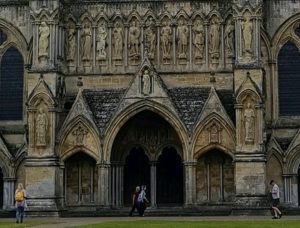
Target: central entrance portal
{"x": 144, "y": 153}
{"x": 136, "y": 173}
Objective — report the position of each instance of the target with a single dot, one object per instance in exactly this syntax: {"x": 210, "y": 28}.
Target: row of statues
{"x": 149, "y": 36}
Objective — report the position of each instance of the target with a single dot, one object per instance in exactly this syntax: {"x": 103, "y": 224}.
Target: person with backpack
{"x": 20, "y": 196}
{"x": 142, "y": 200}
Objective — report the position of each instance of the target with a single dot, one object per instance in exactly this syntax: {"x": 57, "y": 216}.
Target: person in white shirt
{"x": 275, "y": 199}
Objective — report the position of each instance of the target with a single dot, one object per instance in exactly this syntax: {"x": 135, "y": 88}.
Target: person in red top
{"x": 135, "y": 204}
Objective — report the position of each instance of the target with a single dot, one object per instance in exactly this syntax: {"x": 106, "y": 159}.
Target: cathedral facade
{"x": 195, "y": 99}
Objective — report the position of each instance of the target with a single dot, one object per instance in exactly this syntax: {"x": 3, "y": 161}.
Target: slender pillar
{"x": 190, "y": 182}
{"x": 153, "y": 183}
{"x": 103, "y": 184}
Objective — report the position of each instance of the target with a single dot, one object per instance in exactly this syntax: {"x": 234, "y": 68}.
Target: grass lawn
{"x": 24, "y": 224}
{"x": 198, "y": 224}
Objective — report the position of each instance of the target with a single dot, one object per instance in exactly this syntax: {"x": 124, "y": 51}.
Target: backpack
{"x": 19, "y": 196}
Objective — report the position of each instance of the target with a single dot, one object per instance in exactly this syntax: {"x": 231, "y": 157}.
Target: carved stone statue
{"x": 118, "y": 41}
{"x": 214, "y": 38}
{"x": 249, "y": 118}
{"x": 198, "y": 40}
{"x": 182, "y": 34}
{"x": 70, "y": 44}
{"x": 214, "y": 134}
{"x": 166, "y": 39}
{"x": 133, "y": 40}
{"x": 86, "y": 42}
{"x": 229, "y": 38}
{"x": 41, "y": 127}
{"x": 247, "y": 30}
{"x": 44, "y": 34}
{"x": 101, "y": 42}
{"x": 146, "y": 86}
{"x": 80, "y": 135}
{"x": 150, "y": 37}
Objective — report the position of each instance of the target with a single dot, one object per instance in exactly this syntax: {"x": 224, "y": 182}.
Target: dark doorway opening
{"x": 136, "y": 173}
{"x": 169, "y": 176}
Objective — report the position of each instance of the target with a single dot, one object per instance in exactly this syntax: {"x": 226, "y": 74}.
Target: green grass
{"x": 198, "y": 224}
{"x": 29, "y": 223}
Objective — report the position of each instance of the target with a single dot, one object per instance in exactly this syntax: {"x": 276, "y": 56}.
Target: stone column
{"x": 287, "y": 188}
{"x": 153, "y": 183}
{"x": 103, "y": 184}
{"x": 94, "y": 27}
{"x": 190, "y": 182}
{"x": 8, "y": 193}
{"x": 206, "y": 45}
{"x": 190, "y": 24}
{"x": 158, "y": 44}
{"x": 109, "y": 26}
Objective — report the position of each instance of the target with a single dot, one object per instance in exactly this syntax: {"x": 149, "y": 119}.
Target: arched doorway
{"x": 80, "y": 180}
{"x": 136, "y": 172}
{"x": 134, "y": 158}
{"x": 1, "y": 189}
{"x": 215, "y": 177}
{"x": 169, "y": 175}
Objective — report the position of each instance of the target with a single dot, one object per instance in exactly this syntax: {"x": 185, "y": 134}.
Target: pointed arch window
{"x": 289, "y": 80}
{"x": 11, "y": 85}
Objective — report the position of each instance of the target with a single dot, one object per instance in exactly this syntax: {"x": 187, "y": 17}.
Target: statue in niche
{"x": 214, "y": 38}
{"x": 133, "y": 40}
{"x": 150, "y": 37}
{"x": 41, "y": 128}
{"x": 44, "y": 34}
{"x": 182, "y": 34}
{"x": 86, "y": 42}
{"x": 70, "y": 43}
{"x": 247, "y": 30}
{"x": 166, "y": 38}
{"x": 229, "y": 37}
{"x": 80, "y": 134}
{"x": 214, "y": 134}
{"x": 146, "y": 80}
{"x": 249, "y": 118}
{"x": 101, "y": 41}
{"x": 118, "y": 41}
{"x": 199, "y": 40}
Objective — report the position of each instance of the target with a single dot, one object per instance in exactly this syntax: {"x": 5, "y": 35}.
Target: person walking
{"x": 135, "y": 204}
{"x": 20, "y": 197}
{"x": 275, "y": 200}
{"x": 142, "y": 200}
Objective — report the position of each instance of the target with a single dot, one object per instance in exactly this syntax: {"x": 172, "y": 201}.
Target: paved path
{"x": 71, "y": 222}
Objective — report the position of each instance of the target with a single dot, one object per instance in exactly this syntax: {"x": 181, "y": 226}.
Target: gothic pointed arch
{"x": 123, "y": 116}
{"x": 79, "y": 136}
{"x": 6, "y": 160}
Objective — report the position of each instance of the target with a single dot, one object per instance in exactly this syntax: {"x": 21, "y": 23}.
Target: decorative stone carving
{"x": 44, "y": 34}
{"x": 214, "y": 38}
{"x": 41, "y": 127}
{"x": 150, "y": 37}
{"x": 214, "y": 134}
{"x": 134, "y": 40}
{"x": 229, "y": 38}
{"x": 166, "y": 40}
{"x": 80, "y": 135}
{"x": 247, "y": 30}
{"x": 182, "y": 35}
{"x": 71, "y": 43}
{"x": 146, "y": 83}
{"x": 101, "y": 41}
{"x": 117, "y": 41}
{"x": 86, "y": 42}
{"x": 199, "y": 39}
{"x": 249, "y": 121}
